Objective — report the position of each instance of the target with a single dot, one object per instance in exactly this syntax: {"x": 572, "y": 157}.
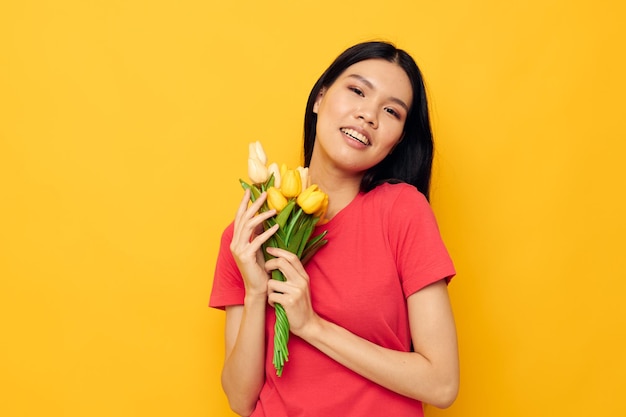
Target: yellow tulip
{"x": 321, "y": 212}
{"x": 283, "y": 169}
{"x": 312, "y": 200}
{"x": 257, "y": 171}
{"x": 291, "y": 183}
{"x": 275, "y": 199}
{"x": 273, "y": 169}
{"x": 256, "y": 152}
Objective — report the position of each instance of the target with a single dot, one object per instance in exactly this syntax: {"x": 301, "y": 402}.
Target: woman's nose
{"x": 368, "y": 115}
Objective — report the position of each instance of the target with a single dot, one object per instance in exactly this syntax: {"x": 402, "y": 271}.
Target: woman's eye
{"x": 392, "y": 112}
{"x": 356, "y": 90}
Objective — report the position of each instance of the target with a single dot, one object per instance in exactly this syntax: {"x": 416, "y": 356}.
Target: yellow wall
{"x": 123, "y": 131}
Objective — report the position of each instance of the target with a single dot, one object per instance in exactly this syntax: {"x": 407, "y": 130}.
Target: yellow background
{"x": 124, "y": 128}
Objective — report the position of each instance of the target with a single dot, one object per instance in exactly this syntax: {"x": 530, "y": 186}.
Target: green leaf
{"x": 312, "y": 222}
{"x": 270, "y": 181}
{"x": 280, "y": 242}
{"x": 310, "y": 250}
{"x": 307, "y": 229}
{"x": 247, "y": 186}
{"x": 292, "y": 223}
{"x": 283, "y": 216}
{"x": 269, "y": 243}
{"x": 315, "y": 239}
{"x": 267, "y": 224}
{"x": 294, "y": 243}
{"x": 301, "y": 233}
{"x": 267, "y": 184}
{"x": 244, "y": 184}
{"x": 254, "y": 191}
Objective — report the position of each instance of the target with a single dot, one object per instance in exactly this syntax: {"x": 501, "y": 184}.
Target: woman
{"x": 372, "y": 328}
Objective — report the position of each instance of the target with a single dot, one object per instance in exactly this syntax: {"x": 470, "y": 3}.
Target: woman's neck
{"x": 341, "y": 189}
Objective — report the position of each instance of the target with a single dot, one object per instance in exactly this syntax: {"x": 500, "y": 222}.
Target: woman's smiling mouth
{"x": 356, "y": 136}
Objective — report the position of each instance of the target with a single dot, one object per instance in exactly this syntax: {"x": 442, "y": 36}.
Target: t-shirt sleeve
{"x": 421, "y": 255}
{"x": 228, "y": 288}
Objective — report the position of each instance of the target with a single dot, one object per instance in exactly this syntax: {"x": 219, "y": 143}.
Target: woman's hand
{"x": 248, "y": 236}
{"x": 243, "y": 374}
{"x": 293, "y": 294}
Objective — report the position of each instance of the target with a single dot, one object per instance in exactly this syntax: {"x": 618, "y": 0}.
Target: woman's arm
{"x": 429, "y": 374}
{"x": 243, "y": 373}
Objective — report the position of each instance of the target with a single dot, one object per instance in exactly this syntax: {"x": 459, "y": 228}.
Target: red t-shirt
{"x": 384, "y": 246}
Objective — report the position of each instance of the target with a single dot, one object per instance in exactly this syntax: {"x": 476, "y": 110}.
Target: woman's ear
{"x": 316, "y": 105}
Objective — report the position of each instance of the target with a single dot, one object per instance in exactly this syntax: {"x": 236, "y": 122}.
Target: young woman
{"x": 373, "y": 332}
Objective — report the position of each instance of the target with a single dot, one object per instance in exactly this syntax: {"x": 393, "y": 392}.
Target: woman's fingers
{"x": 294, "y": 293}
{"x": 246, "y": 212}
{"x": 263, "y": 237}
{"x": 243, "y": 205}
{"x": 287, "y": 262}
{"x": 247, "y": 221}
{"x": 248, "y": 237}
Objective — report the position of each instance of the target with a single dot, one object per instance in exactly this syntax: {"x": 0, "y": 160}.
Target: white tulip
{"x": 273, "y": 169}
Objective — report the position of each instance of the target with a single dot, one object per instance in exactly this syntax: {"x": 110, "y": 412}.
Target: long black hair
{"x": 411, "y": 160}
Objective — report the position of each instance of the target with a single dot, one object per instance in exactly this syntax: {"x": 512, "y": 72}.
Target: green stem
{"x": 281, "y": 338}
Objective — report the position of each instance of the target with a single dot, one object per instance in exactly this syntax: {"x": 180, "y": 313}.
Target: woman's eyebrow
{"x": 370, "y": 85}
{"x": 362, "y": 79}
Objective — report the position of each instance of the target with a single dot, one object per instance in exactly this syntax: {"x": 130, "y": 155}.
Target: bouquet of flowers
{"x": 299, "y": 207}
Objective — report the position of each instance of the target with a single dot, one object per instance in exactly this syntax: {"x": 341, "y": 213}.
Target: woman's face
{"x": 361, "y": 116}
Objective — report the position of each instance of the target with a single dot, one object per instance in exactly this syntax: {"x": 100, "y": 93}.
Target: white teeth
{"x": 356, "y": 135}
